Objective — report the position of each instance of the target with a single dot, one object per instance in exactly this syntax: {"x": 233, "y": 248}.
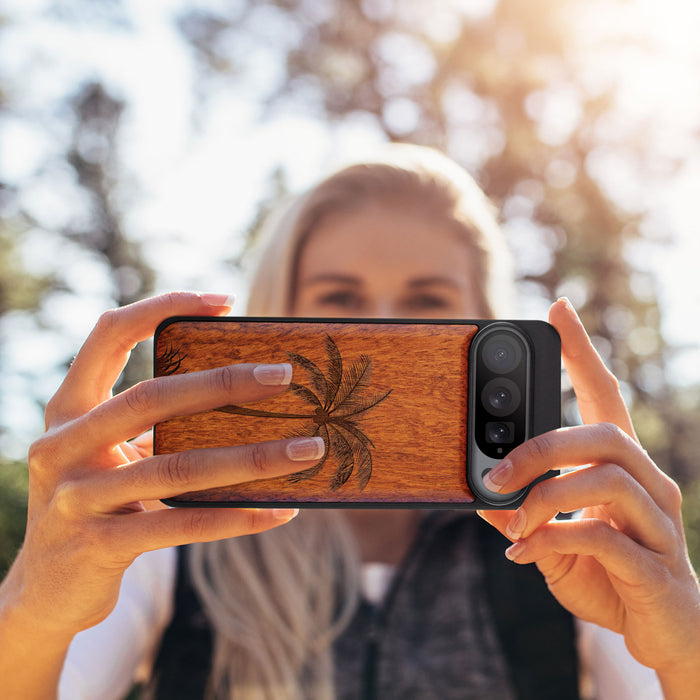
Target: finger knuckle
{"x": 174, "y": 299}
{"x": 108, "y": 322}
{"x": 142, "y": 397}
{"x": 539, "y": 448}
{"x": 594, "y": 531}
{"x": 611, "y": 383}
{"x": 256, "y": 460}
{"x": 196, "y": 525}
{"x": 616, "y": 478}
{"x": 661, "y": 570}
{"x": 612, "y": 433}
{"x": 176, "y": 470}
{"x": 542, "y": 494}
{"x": 558, "y": 570}
{"x": 225, "y": 379}
{"x": 42, "y": 455}
{"x": 257, "y": 520}
{"x": 674, "y": 495}
{"x": 672, "y": 536}
{"x": 67, "y": 498}
{"x": 37, "y": 455}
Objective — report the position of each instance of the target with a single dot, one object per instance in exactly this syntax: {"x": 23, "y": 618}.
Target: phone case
{"x": 389, "y": 398}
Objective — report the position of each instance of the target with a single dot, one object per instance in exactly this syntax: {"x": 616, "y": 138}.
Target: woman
{"x": 412, "y": 236}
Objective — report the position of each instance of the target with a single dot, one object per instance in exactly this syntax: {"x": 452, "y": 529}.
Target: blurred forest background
{"x": 580, "y": 119}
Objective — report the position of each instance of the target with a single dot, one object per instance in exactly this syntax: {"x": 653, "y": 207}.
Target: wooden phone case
{"x": 389, "y": 399}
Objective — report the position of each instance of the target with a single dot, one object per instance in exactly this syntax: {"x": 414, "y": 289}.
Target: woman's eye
{"x": 341, "y": 300}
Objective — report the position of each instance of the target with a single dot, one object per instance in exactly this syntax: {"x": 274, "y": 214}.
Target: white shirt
{"x": 104, "y": 661}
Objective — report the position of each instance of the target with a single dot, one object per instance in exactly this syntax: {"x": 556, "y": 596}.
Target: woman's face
{"x": 385, "y": 261}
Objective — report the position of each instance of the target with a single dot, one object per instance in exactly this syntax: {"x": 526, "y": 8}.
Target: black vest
{"x": 534, "y": 634}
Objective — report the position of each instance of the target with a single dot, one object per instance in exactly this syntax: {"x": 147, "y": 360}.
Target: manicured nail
{"x": 285, "y": 514}
{"x": 499, "y": 476}
{"x": 305, "y": 449}
{"x": 515, "y": 550}
{"x": 273, "y": 375}
{"x": 517, "y": 525}
{"x": 218, "y": 299}
{"x": 569, "y": 306}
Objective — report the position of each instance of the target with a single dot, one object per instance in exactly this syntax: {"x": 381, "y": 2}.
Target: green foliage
{"x": 691, "y": 521}
{"x": 18, "y": 289}
{"x": 14, "y": 483}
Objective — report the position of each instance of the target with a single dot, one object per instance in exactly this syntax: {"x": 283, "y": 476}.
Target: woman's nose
{"x": 383, "y": 308}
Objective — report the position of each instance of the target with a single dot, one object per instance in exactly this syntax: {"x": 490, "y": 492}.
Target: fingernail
{"x": 517, "y": 525}
{"x": 218, "y": 299}
{"x": 273, "y": 375}
{"x": 305, "y": 449}
{"x": 515, "y": 550}
{"x": 569, "y": 306}
{"x": 285, "y": 514}
{"x": 499, "y": 476}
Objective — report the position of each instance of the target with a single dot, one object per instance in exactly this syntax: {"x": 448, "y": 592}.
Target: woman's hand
{"x": 623, "y": 564}
{"x": 88, "y": 514}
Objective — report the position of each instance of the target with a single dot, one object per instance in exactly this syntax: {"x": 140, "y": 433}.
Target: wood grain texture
{"x": 410, "y": 379}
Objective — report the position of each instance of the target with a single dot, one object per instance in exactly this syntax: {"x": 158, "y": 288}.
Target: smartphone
{"x": 413, "y": 413}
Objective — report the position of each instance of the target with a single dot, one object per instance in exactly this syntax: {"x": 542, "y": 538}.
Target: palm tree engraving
{"x": 170, "y": 360}
{"x": 340, "y": 399}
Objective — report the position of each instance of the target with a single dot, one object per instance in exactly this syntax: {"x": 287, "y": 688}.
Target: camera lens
{"x": 502, "y": 353}
{"x": 500, "y": 396}
{"x": 499, "y": 432}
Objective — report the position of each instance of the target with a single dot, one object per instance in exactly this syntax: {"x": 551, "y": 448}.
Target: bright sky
{"x": 203, "y": 185}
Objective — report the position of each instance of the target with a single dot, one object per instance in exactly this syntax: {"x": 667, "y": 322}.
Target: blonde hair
{"x": 277, "y": 600}
{"x": 416, "y": 176}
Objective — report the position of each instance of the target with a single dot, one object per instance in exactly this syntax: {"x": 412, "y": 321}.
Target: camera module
{"x": 505, "y": 358}
{"x": 500, "y": 387}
